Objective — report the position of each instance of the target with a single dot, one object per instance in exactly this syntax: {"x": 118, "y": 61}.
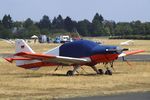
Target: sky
{"x": 117, "y": 10}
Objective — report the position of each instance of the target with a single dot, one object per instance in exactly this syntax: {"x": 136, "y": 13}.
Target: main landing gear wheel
{"x": 70, "y": 73}
{"x": 101, "y": 72}
{"x": 108, "y": 72}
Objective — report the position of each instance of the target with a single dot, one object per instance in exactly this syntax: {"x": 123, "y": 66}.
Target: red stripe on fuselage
{"x": 98, "y": 58}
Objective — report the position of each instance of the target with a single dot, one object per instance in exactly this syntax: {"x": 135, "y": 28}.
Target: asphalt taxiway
{"x": 127, "y": 96}
{"x": 143, "y": 57}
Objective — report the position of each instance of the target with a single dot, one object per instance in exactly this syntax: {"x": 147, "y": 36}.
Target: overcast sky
{"x": 117, "y": 10}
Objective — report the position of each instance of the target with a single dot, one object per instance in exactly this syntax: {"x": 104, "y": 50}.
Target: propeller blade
{"x": 125, "y": 49}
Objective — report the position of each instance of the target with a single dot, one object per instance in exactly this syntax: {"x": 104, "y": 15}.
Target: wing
{"x": 52, "y": 59}
{"x": 130, "y": 53}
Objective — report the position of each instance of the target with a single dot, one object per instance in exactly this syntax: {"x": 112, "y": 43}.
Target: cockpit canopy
{"x": 85, "y": 48}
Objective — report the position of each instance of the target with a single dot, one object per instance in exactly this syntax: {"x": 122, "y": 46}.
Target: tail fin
{"x": 22, "y": 46}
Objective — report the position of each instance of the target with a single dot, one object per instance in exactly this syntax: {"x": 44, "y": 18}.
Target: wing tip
{"x": 9, "y": 59}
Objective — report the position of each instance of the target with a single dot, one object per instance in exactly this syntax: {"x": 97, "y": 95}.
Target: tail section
{"x": 22, "y": 46}
{"x": 25, "y": 58}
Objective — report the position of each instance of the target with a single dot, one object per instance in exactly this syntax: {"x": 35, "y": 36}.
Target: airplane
{"x": 127, "y": 42}
{"x": 8, "y": 41}
{"x": 76, "y": 54}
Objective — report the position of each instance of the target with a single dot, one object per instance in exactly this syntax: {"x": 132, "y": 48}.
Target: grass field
{"x": 18, "y": 83}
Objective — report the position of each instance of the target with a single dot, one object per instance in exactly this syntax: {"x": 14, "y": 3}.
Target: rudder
{"x": 22, "y": 46}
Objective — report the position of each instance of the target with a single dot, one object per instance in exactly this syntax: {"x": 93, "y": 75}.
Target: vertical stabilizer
{"x": 22, "y": 46}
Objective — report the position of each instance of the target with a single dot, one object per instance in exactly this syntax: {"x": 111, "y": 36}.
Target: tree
{"x": 7, "y": 22}
{"x": 97, "y": 25}
{"x": 138, "y": 27}
{"x": 83, "y": 27}
{"x": 58, "y": 23}
{"x": 45, "y": 23}
{"x": 4, "y": 33}
{"x": 123, "y": 28}
{"x": 28, "y": 23}
{"x": 54, "y": 23}
{"x": 68, "y": 24}
{"x": 32, "y": 30}
{"x": 0, "y": 22}
{"x": 109, "y": 27}
{"x": 147, "y": 28}
{"x": 18, "y": 24}
{"x": 98, "y": 18}
{"x": 5, "y": 27}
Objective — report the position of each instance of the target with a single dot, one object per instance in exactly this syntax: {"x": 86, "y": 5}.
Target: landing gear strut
{"x": 108, "y": 71}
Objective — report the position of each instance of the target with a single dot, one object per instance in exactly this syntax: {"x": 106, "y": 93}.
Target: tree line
{"x": 97, "y": 27}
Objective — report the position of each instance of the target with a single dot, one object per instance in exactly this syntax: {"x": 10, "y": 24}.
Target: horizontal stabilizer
{"x": 12, "y": 59}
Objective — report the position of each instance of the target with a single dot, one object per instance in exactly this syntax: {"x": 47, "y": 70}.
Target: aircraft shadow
{"x": 37, "y": 75}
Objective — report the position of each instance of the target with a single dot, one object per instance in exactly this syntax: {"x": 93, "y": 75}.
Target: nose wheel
{"x": 107, "y": 72}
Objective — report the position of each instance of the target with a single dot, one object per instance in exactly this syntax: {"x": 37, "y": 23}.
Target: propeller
{"x": 118, "y": 50}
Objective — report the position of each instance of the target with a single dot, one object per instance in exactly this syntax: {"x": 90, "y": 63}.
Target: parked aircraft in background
{"x": 129, "y": 42}
{"x": 9, "y": 41}
{"x": 76, "y": 54}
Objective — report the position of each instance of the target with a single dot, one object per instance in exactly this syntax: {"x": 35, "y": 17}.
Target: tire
{"x": 69, "y": 73}
{"x": 101, "y": 72}
{"x": 108, "y": 72}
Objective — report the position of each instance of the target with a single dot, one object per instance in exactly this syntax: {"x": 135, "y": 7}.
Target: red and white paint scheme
{"x": 76, "y": 54}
